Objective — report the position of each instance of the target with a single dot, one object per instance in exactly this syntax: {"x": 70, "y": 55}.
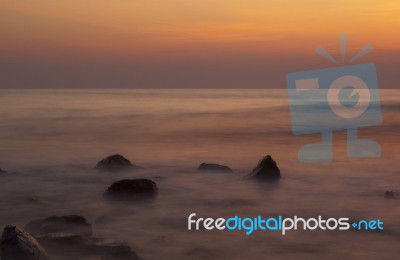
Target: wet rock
{"x": 70, "y": 237}
{"x": 391, "y": 195}
{"x": 67, "y": 246}
{"x": 266, "y": 169}
{"x": 127, "y": 188}
{"x": 64, "y": 243}
{"x": 118, "y": 251}
{"x": 114, "y": 163}
{"x": 17, "y": 244}
{"x": 214, "y": 167}
{"x": 66, "y": 224}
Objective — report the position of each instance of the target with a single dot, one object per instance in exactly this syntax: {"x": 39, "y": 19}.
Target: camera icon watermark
{"x": 339, "y": 98}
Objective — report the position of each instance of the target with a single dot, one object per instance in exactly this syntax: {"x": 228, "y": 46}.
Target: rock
{"x": 391, "y": 195}
{"x": 114, "y": 163}
{"x": 213, "y": 167}
{"x": 66, "y": 224}
{"x": 17, "y": 244}
{"x": 57, "y": 243}
{"x": 118, "y": 251}
{"x": 70, "y": 237}
{"x": 132, "y": 188}
{"x": 1, "y": 171}
{"x": 266, "y": 169}
{"x": 76, "y": 246}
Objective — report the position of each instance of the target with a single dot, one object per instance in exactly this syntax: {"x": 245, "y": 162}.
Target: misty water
{"x": 50, "y": 141}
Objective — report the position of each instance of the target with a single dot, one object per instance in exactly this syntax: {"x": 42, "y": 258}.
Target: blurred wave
{"x": 51, "y": 140}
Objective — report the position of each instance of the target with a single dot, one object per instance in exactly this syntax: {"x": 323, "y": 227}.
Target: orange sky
{"x": 157, "y": 34}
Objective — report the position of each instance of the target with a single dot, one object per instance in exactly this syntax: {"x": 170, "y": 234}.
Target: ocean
{"x": 50, "y": 141}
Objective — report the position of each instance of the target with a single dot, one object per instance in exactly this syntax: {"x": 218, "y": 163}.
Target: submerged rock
{"x": 67, "y": 224}
{"x": 17, "y": 244}
{"x": 67, "y": 246}
{"x": 214, "y": 167}
{"x": 391, "y": 195}
{"x": 114, "y": 163}
{"x": 70, "y": 237}
{"x": 132, "y": 188}
{"x": 118, "y": 251}
{"x": 266, "y": 169}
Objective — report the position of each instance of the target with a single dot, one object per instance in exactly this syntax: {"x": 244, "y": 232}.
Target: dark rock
{"x": 266, "y": 169}
{"x": 132, "y": 188}
{"x": 391, "y": 195}
{"x": 67, "y": 246}
{"x": 114, "y": 163}
{"x": 214, "y": 167}
{"x": 17, "y": 244}
{"x": 70, "y": 237}
{"x": 65, "y": 243}
{"x": 118, "y": 251}
{"x": 73, "y": 224}
{"x": 1, "y": 171}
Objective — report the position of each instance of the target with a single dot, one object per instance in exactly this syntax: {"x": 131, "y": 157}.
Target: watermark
{"x": 331, "y": 99}
{"x": 280, "y": 224}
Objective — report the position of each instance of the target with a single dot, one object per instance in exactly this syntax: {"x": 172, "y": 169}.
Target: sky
{"x": 188, "y": 43}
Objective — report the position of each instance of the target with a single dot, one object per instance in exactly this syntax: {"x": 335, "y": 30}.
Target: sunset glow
{"x": 199, "y": 32}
